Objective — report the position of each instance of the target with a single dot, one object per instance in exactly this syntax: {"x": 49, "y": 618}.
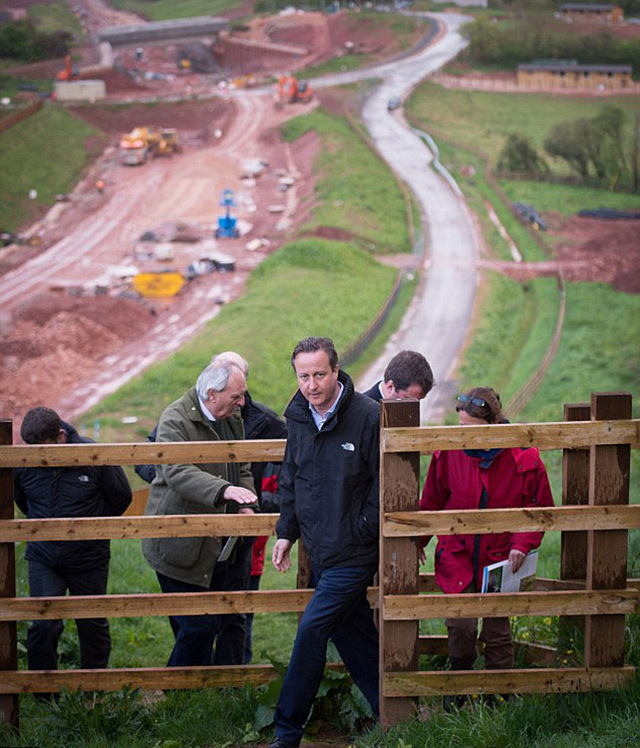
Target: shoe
{"x": 280, "y": 743}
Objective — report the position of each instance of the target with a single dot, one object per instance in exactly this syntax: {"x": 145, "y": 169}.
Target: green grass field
{"x": 47, "y": 152}
{"x": 164, "y": 10}
{"x": 496, "y": 115}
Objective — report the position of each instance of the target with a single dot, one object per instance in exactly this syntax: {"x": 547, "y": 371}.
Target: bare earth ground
{"x": 71, "y": 328}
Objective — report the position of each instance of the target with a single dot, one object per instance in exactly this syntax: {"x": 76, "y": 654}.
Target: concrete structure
{"x": 549, "y": 74}
{"x": 83, "y": 90}
{"x": 154, "y": 31}
{"x": 465, "y": 3}
{"x": 591, "y": 13}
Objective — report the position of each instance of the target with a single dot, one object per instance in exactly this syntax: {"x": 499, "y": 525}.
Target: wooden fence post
{"x": 573, "y": 545}
{"x": 9, "y": 704}
{"x": 399, "y": 487}
{"x": 609, "y": 467}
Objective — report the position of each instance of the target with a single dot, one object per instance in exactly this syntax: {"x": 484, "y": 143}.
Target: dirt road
{"x": 94, "y": 240}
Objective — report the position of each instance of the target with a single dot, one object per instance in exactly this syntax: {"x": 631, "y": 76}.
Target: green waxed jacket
{"x": 192, "y": 489}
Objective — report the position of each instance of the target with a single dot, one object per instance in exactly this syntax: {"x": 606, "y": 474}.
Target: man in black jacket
{"x": 328, "y": 492}
{"x": 408, "y": 375}
{"x": 81, "y": 566}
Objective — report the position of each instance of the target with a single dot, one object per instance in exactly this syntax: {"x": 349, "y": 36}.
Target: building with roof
{"x": 591, "y": 13}
{"x": 554, "y": 74}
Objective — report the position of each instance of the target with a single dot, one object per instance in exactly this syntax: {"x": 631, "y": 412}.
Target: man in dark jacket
{"x": 328, "y": 492}
{"x": 408, "y": 375}
{"x": 81, "y": 566}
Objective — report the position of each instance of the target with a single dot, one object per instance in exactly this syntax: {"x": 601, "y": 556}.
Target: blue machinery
{"x": 227, "y": 223}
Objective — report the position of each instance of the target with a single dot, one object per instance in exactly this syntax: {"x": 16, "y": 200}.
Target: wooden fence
{"x": 594, "y": 520}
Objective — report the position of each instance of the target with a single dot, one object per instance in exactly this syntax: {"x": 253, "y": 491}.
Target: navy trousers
{"x": 93, "y": 633}
{"x": 338, "y": 610}
{"x": 196, "y": 636}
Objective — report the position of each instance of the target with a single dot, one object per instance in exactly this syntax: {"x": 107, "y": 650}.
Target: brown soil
{"x": 589, "y": 250}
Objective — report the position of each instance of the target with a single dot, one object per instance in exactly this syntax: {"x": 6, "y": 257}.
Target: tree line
{"x": 536, "y": 36}
{"x": 594, "y": 147}
{"x": 21, "y": 40}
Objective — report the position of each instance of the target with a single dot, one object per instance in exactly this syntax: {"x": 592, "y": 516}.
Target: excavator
{"x": 289, "y": 90}
{"x": 70, "y": 72}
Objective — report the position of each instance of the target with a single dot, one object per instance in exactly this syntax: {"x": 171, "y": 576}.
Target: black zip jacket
{"x": 329, "y": 484}
{"x": 92, "y": 491}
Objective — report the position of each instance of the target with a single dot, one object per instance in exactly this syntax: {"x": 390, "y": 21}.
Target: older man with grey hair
{"x": 206, "y": 412}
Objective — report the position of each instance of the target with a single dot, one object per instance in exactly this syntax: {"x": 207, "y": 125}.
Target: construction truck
{"x": 135, "y": 146}
{"x": 289, "y": 90}
{"x": 142, "y": 142}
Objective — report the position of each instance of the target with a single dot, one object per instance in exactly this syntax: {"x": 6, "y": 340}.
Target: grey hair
{"x": 214, "y": 377}
{"x": 234, "y": 358}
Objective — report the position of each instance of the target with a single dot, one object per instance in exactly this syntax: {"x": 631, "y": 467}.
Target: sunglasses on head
{"x": 477, "y": 401}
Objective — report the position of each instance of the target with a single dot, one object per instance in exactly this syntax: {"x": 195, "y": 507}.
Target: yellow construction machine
{"x": 142, "y": 142}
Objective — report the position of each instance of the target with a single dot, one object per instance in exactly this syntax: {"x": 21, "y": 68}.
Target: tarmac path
{"x": 436, "y": 322}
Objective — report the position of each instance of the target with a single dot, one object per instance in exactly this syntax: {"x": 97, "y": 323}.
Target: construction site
{"x": 189, "y": 197}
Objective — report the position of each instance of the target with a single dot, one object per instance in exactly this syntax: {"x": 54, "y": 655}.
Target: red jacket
{"x": 515, "y": 478}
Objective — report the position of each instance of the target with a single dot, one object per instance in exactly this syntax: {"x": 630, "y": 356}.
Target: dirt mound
{"x": 589, "y": 250}
{"x": 188, "y": 116}
{"x": 56, "y": 341}
{"x": 600, "y": 251}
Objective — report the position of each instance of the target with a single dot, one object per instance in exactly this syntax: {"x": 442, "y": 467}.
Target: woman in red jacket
{"x": 482, "y": 479}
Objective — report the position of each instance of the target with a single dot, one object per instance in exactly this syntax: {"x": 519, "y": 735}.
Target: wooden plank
{"x": 166, "y": 526}
{"x": 540, "y": 584}
{"x": 492, "y": 605}
{"x": 542, "y": 435}
{"x": 9, "y": 704}
{"x": 575, "y": 492}
{"x": 478, "y": 521}
{"x": 532, "y": 654}
{"x": 609, "y": 468}
{"x": 573, "y": 544}
{"x": 433, "y": 645}
{"x": 147, "y": 678}
{"x": 142, "y": 453}
{"x": 537, "y": 680}
{"x": 161, "y": 604}
{"x": 399, "y": 491}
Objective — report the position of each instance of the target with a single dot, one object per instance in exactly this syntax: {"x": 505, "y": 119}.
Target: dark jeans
{"x": 338, "y": 610}
{"x": 254, "y": 584}
{"x": 196, "y": 635}
{"x": 93, "y": 633}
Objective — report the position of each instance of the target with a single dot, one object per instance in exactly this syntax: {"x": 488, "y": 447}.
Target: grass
{"x": 496, "y": 115}
{"x": 48, "y": 152}
{"x": 309, "y": 287}
{"x": 356, "y": 194}
{"x": 56, "y": 16}
{"x": 164, "y": 10}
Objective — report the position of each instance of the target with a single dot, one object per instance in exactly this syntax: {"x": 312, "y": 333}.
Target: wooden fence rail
{"x": 593, "y": 587}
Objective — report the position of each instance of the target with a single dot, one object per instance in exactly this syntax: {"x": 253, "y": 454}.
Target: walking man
{"x": 329, "y": 496}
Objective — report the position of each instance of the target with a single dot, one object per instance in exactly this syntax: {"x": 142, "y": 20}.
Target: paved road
{"x": 437, "y": 320}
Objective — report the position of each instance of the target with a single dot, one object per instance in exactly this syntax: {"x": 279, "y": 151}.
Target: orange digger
{"x": 290, "y": 91}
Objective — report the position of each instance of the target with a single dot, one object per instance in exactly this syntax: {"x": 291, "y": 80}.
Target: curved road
{"x": 439, "y": 316}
